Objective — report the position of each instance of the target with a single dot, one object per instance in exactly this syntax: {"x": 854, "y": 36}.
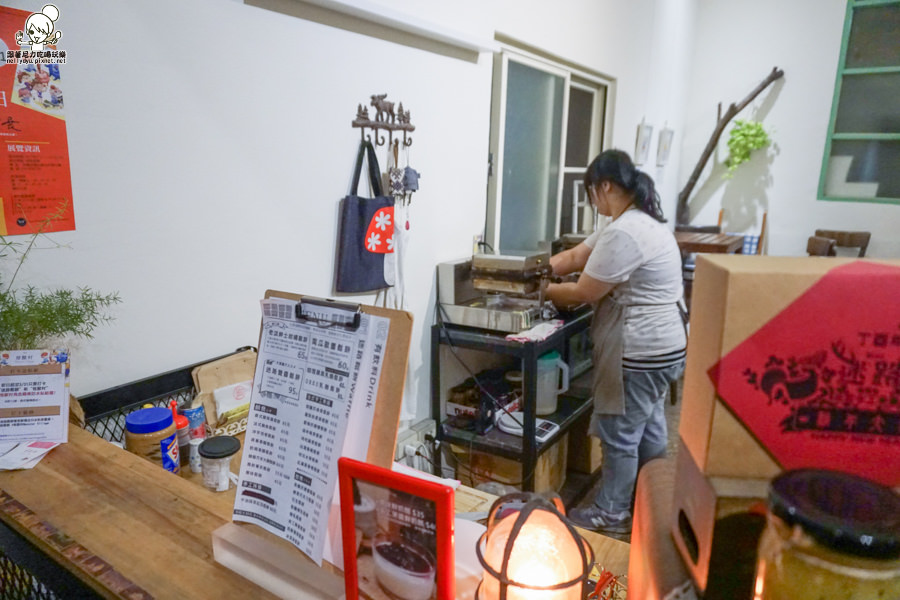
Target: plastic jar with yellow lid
{"x": 150, "y": 433}
{"x": 829, "y": 535}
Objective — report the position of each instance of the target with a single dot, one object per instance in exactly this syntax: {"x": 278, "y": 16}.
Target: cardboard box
{"x": 585, "y": 452}
{"x": 479, "y": 467}
{"x": 655, "y": 568}
{"x": 716, "y": 524}
{"x": 783, "y": 357}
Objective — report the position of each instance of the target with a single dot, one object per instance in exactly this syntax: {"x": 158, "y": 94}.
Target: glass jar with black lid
{"x": 829, "y": 535}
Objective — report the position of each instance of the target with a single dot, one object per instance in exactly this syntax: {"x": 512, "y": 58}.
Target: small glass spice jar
{"x": 215, "y": 461}
{"x": 829, "y": 535}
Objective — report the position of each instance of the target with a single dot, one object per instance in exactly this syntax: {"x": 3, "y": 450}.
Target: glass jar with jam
{"x": 829, "y": 535}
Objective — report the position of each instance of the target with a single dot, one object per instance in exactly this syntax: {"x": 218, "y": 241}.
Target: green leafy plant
{"x": 32, "y": 318}
{"x": 745, "y": 137}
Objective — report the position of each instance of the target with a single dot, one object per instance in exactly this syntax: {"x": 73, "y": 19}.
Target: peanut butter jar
{"x": 150, "y": 433}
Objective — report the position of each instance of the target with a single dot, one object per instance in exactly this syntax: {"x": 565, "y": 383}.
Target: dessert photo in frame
{"x": 397, "y": 534}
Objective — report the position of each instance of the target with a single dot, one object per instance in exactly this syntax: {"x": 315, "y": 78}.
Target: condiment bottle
{"x": 829, "y": 535}
{"x": 182, "y": 427}
{"x": 215, "y": 460}
{"x": 194, "y": 458}
{"x": 150, "y": 433}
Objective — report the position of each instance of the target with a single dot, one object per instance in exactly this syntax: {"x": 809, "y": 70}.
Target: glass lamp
{"x": 531, "y": 552}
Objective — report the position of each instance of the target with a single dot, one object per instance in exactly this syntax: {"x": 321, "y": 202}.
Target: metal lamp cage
{"x": 529, "y": 503}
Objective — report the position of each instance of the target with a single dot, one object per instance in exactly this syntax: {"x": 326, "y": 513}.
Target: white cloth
{"x": 539, "y": 332}
{"x": 640, "y": 254}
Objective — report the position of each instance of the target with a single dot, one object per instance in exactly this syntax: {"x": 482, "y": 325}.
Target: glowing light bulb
{"x": 544, "y": 554}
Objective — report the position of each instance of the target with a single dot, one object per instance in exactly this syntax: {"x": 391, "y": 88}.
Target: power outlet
{"x": 476, "y": 242}
{"x": 423, "y": 428}
{"x": 405, "y": 438}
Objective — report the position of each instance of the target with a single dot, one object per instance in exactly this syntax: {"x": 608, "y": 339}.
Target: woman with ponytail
{"x": 631, "y": 273}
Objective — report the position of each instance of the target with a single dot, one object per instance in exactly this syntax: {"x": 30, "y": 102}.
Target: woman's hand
{"x": 586, "y": 290}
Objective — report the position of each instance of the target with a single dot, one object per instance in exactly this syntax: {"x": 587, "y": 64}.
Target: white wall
{"x": 210, "y": 143}
{"x": 737, "y": 44}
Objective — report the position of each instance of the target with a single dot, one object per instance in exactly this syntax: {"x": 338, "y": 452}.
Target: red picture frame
{"x": 397, "y": 534}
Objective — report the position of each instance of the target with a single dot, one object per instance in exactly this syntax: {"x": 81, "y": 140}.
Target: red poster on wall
{"x": 35, "y": 183}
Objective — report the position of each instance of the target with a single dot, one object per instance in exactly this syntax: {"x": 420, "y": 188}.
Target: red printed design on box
{"x": 380, "y": 233}
{"x": 819, "y": 384}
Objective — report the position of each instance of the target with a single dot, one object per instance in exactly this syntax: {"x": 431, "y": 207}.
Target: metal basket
{"x": 105, "y": 411}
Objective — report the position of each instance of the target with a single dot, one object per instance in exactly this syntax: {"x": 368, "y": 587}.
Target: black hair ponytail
{"x": 646, "y": 197}
{"x": 616, "y": 166}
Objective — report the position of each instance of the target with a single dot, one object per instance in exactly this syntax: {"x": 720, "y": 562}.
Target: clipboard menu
{"x": 318, "y": 374}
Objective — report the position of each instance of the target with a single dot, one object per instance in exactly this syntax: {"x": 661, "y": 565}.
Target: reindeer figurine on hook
{"x": 385, "y": 119}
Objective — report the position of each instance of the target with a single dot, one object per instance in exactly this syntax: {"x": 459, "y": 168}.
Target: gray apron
{"x": 606, "y": 334}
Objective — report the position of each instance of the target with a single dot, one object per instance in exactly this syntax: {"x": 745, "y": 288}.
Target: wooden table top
{"x": 130, "y": 529}
{"x": 722, "y": 243}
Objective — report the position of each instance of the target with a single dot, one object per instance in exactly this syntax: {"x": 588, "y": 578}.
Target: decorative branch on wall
{"x": 683, "y": 213}
{"x": 386, "y": 119}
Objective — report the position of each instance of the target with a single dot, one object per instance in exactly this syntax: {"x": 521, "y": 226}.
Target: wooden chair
{"x": 821, "y": 246}
{"x": 688, "y": 259}
{"x": 753, "y": 244}
{"x": 848, "y": 239}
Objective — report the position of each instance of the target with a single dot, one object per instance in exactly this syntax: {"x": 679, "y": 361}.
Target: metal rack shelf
{"x": 523, "y": 449}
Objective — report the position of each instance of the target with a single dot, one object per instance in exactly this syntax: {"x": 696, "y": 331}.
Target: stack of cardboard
{"x": 223, "y": 375}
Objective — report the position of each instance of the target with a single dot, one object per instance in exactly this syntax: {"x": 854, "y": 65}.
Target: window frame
{"x": 573, "y": 76}
{"x": 832, "y": 135}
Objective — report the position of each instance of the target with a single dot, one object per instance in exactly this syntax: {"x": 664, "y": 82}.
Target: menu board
{"x": 313, "y": 373}
{"x": 35, "y": 182}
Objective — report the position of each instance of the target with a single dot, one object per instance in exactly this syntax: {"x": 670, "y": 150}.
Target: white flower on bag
{"x": 382, "y": 220}
{"x": 373, "y": 242}
{"x": 390, "y": 243}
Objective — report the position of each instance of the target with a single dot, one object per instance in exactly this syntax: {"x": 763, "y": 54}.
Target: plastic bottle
{"x": 182, "y": 428}
{"x": 150, "y": 433}
{"x": 548, "y": 389}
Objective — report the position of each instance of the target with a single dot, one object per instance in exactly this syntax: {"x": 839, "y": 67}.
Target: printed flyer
{"x": 35, "y": 182}
{"x": 34, "y": 396}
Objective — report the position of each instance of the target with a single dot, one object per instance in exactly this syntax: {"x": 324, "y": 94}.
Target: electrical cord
{"x": 483, "y": 244}
{"x": 440, "y": 313}
{"x": 453, "y": 351}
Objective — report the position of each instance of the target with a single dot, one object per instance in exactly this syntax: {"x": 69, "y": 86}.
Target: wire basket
{"x": 18, "y": 584}
{"x": 105, "y": 411}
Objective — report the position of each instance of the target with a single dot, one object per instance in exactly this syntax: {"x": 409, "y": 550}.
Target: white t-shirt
{"x": 640, "y": 254}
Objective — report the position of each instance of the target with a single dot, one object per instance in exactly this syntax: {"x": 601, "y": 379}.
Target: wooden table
{"x": 722, "y": 243}
{"x": 128, "y": 529}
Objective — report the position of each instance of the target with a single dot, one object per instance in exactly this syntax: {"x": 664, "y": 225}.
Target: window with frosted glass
{"x": 547, "y": 124}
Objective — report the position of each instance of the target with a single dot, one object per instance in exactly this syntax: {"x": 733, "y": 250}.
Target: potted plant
{"x": 745, "y": 137}
{"x": 31, "y": 318}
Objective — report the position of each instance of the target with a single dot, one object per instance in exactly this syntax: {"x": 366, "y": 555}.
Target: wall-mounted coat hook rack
{"x": 386, "y": 119}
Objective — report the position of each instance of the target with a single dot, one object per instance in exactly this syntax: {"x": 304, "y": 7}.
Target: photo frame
{"x": 397, "y": 534}
{"x": 664, "y": 146}
{"x": 642, "y": 143}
